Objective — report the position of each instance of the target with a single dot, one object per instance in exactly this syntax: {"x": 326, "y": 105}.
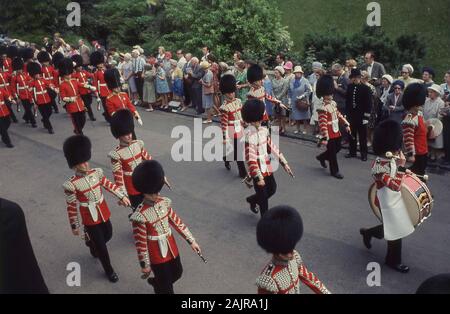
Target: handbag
{"x": 302, "y": 104}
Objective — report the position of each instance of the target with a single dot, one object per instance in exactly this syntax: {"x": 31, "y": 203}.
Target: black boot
{"x": 228, "y": 165}
{"x": 113, "y": 277}
{"x": 322, "y": 162}
{"x": 366, "y": 238}
{"x": 399, "y": 267}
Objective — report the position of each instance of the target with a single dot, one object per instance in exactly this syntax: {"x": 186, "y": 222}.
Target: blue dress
{"x": 298, "y": 88}
{"x": 269, "y": 90}
{"x": 162, "y": 87}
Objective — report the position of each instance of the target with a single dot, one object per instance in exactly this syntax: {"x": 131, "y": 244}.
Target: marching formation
{"x": 399, "y": 197}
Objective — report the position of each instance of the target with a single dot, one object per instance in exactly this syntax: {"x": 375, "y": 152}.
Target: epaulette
{"x": 68, "y": 185}
{"x": 410, "y": 120}
{"x": 266, "y": 282}
{"x": 137, "y": 216}
{"x": 166, "y": 202}
{"x": 114, "y": 155}
{"x": 99, "y": 171}
{"x": 378, "y": 168}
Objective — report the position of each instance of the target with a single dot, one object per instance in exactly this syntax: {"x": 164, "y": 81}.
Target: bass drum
{"x": 416, "y": 195}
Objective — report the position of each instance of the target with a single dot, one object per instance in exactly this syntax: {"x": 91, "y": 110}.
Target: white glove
{"x": 139, "y": 120}
{"x": 365, "y": 122}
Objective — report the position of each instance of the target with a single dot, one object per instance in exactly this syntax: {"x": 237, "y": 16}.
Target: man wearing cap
{"x": 152, "y": 221}
{"x": 98, "y": 61}
{"x": 278, "y": 233}
{"x": 127, "y": 155}
{"x": 20, "y": 90}
{"x": 84, "y": 190}
{"x": 394, "y": 102}
{"x": 414, "y": 128}
{"x": 358, "y": 108}
{"x": 84, "y": 77}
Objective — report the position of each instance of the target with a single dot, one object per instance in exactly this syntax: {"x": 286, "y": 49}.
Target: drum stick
{"x": 201, "y": 256}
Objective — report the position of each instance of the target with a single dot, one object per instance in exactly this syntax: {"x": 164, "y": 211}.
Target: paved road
{"x": 211, "y": 201}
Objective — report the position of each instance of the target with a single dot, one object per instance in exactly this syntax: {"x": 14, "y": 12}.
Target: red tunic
{"x": 415, "y": 135}
{"x": 38, "y": 88}
{"x": 284, "y": 277}
{"x": 50, "y": 75}
{"x": 5, "y": 78}
{"x": 7, "y": 65}
{"x": 82, "y": 77}
{"x": 231, "y": 119}
{"x": 155, "y": 243}
{"x": 71, "y": 88}
{"x": 116, "y": 102}
{"x": 19, "y": 86}
{"x": 124, "y": 160}
{"x": 329, "y": 119}
{"x": 381, "y": 169}
{"x": 4, "y": 111}
{"x": 85, "y": 189}
{"x": 100, "y": 83}
{"x": 260, "y": 93}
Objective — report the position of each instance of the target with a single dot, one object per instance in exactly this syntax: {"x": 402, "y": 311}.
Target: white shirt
{"x": 370, "y": 68}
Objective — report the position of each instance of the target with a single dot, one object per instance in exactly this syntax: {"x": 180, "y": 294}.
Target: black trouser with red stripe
{"x": 420, "y": 164}
{"x": 46, "y": 112}
{"x": 53, "y": 96}
{"x": 87, "y": 100}
{"x": 78, "y": 121}
{"x": 5, "y": 122}
{"x": 333, "y": 147}
{"x": 394, "y": 248}
{"x": 263, "y": 193}
{"x": 28, "y": 115}
{"x": 238, "y": 157}
{"x": 11, "y": 112}
{"x": 99, "y": 235}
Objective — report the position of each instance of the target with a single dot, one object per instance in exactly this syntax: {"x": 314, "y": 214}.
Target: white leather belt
{"x": 2, "y": 102}
{"x": 4, "y": 85}
{"x": 21, "y": 88}
{"x": 41, "y": 93}
{"x": 96, "y": 203}
{"x": 102, "y": 84}
{"x": 163, "y": 242}
{"x": 160, "y": 237}
{"x": 126, "y": 173}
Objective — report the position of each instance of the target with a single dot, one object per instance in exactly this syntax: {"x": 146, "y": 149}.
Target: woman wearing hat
{"x": 149, "y": 95}
{"x": 433, "y": 109}
{"x": 207, "y": 91}
{"x": 385, "y": 90}
{"x": 299, "y": 92}
{"x": 280, "y": 88}
{"x": 407, "y": 72}
{"x": 127, "y": 73}
{"x": 394, "y": 103}
{"x": 162, "y": 86}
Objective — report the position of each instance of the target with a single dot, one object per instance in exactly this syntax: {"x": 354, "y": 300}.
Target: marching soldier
{"x": 5, "y": 114}
{"x": 50, "y": 75}
{"x": 278, "y": 232}
{"x": 155, "y": 244}
{"x": 84, "y": 189}
{"x": 414, "y": 128}
{"x": 98, "y": 60}
{"x": 38, "y": 88}
{"x": 329, "y": 120}
{"x": 5, "y": 78}
{"x": 396, "y": 222}
{"x": 27, "y": 56}
{"x": 84, "y": 77}
{"x": 358, "y": 106}
{"x": 20, "y": 90}
{"x": 127, "y": 155}
{"x": 118, "y": 100}
{"x": 11, "y": 53}
{"x": 231, "y": 122}
{"x": 258, "y": 144}
{"x": 69, "y": 90}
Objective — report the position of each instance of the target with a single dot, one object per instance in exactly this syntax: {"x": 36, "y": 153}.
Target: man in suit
{"x": 394, "y": 106}
{"x": 196, "y": 73}
{"x": 375, "y": 69}
{"x": 358, "y": 107}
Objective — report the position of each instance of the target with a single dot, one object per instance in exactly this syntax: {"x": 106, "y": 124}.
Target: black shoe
{"x": 338, "y": 176}
{"x": 93, "y": 119}
{"x": 151, "y": 281}
{"x": 399, "y": 267}
{"x": 243, "y": 175}
{"x": 322, "y": 162}
{"x": 50, "y": 131}
{"x": 364, "y": 158}
{"x": 113, "y": 277}
{"x": 254, "y": 208}
{"x": 228, "y": 165}
{"x": 9, "y": 145}
{"x": 350, "y": 156}
{"x": 366, "y": 238}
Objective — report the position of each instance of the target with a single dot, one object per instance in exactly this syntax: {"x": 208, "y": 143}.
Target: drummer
{"x": 396, "y": 225}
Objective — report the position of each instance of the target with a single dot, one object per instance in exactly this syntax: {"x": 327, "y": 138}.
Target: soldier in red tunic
{"x": 20, "y": 90}
{"x": 5, "y": 78}
{"x": 127, "y": 155}
{"x": 155, "y": 244}
{"x": 27, "y": 56}
{"x": 118, "y": 100}
{"x": 38, "y": 88}
{"x": 5, "y": 121}
{"x": 329, "y": 120}
{"x": 98, "y": 60}
{"x": 50, "y": 75}
{"x": 278, "y": 232}
{"x": 84, "y": 189}
{"x": 231, "y": 122}
{"x": 258, "y": 146}
{"x": 84, "y": 77}
{"x": 414, "y": 128}
{"x": 69, "y": 90}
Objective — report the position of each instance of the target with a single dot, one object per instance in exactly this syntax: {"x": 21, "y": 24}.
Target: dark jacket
{"x": 359, "y": 103}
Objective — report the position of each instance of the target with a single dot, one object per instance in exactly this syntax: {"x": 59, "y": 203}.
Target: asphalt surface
{"x": 211, "y": 201}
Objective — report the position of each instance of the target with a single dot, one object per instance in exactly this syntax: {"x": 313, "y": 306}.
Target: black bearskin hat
{"x": 77, "y": 149}
{"x": 97, "y": 58}
{"x": 325, "y": 86}
{"x": 3, "y": 50}
{"x": 112, "y": 78}
{"x": 65, "y": 67}
{"x": 17, "y": 64}
{"x": 34, "y": 68}
{"x": 255, "y": 73}
{"x": 148, "y": 177}
{"x": 57, "y": 58}
{"x": 27, "y": 54}
{"x": 388, "y": 137}
{"x": 78, "y": 60}
{"x": 43, "y": 56}
{"x": 122, "y": 123}
{"x": 227, "y": 84}
{"x": 279, "y": 230}
{"x": 439, "y": 284}
{"x": 415, "y": 95}
{"x": 12, "y": 52}
{"x": 253, "y": 110}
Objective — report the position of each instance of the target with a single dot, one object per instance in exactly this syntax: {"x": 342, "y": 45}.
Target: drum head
{"x": 437, "y": 128}
{"x": 373, "y": 202}
{"x": 418, "y": 199}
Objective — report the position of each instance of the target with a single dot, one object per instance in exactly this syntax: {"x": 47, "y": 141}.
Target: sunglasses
{"x": 398, "y": 88}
